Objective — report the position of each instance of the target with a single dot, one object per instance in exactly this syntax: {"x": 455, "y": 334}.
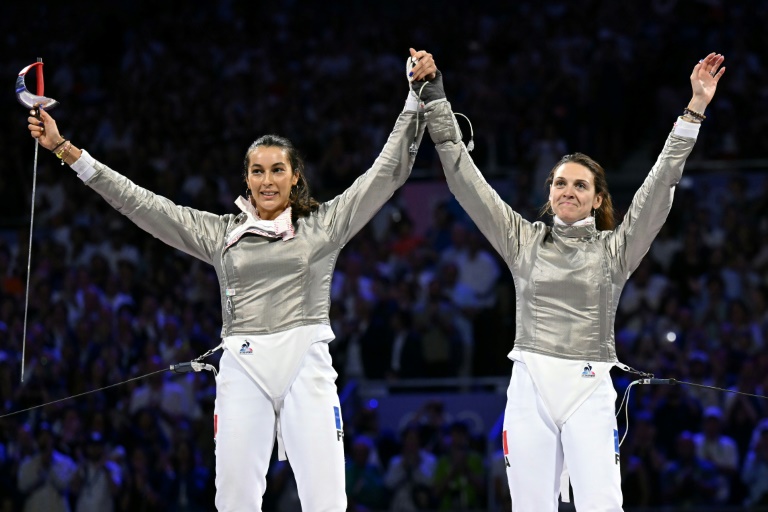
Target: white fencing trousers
{"x": 535, "y": 448}
{"x": 310, "y": 421}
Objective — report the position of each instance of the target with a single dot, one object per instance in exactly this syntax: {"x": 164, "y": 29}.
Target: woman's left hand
{"x": 704, "y": 80}
{"x": 425, "y": 68}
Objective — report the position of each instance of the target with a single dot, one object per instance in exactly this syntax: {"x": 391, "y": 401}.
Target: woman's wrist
{"x": 694, "y": 112}
{"x": 698, "y": 104}
{"x": 67, "y": 152}
{"x": 72, "y": 156}
{"x": 688, "y": 117}
{"x": 58, "y": 145}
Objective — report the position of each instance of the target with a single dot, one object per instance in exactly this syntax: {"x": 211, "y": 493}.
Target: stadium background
{"x": 172, "y": 93}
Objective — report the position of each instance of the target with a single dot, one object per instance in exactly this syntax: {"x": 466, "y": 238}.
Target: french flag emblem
{"x": 337, "y": 417}
{"x": 506, "y": 448}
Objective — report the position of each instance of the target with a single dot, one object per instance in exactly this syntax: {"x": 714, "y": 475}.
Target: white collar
{"x": 583, "y": 222}
{"x": 280, "y": 227}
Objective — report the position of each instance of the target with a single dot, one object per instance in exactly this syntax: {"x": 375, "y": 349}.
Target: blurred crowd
{"x": 171, "y": 95}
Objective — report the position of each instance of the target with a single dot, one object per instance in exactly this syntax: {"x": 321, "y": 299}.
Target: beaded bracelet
{"x": 694, "y": 114}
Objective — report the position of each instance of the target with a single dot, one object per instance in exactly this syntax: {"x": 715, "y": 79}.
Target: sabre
{"x": 31, "y": 101}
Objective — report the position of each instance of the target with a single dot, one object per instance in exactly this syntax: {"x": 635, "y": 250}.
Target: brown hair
{"x": 604, "y": 215}
{"x": 302, "y": 204}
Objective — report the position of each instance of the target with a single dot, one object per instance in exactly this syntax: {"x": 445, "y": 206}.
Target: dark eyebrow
{"x": 577, "y": 180}
{"x": 273, "y": 165}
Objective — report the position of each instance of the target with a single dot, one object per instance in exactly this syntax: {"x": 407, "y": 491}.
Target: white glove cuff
{"x": 412, "y": 103}
{"x": 685, "y": 128}
{"x": 84, "y": 166}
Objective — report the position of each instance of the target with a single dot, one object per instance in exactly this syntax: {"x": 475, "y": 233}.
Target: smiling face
{"x": 572, "y": 192}
{"x": 270, "y": 178}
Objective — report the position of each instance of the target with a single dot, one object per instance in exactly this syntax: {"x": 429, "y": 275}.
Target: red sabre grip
{"x": 40, "y": 81}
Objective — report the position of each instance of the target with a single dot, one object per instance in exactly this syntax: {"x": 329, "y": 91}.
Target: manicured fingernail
{"x": 410, "y": 74}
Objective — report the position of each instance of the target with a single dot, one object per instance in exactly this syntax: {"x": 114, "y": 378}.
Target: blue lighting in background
{"x": 373, "y": 403}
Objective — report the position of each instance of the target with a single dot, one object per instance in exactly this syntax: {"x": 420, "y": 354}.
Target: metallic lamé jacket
{"x": 269, "y": 285}
{"x": 568, "y": 279}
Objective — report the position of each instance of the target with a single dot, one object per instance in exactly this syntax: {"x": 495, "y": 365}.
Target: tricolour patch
{"x": 337, "y": 417}
{"x": 506, "y": 448}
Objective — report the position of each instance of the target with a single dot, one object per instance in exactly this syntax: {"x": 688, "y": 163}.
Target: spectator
{"x": 700, "y": 372}
{"x": 755, "y": 472}
{"x": 365, "y": 483}
{"x": 459, "y": 476}
{"x": 159, "y": 393}
{"x": 407, "y": 351}
{"x": 674, "y": 414}
{"x": 442, "y": 343}
{"x": 410, "y": 474}
{"x": 742, "y": 413}
{"x": 144, "y": 486}
{"x": 97, "y": 479}
{"x": 438, "y": 236}
{"x": 642, "y": 463}
{"x": 189, "y": 487}
{"x": 464, "y": 305}
{"x": 45, "y": 478}
{"x": 689, "y": 481}
{"x": 718, "y": 450}
{"x": 499, "y": 485}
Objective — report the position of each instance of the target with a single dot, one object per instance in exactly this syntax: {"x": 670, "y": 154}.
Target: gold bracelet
{"x": 65, "y": 149}
{"x": 61, "y": 151}
{"x": 66, "y": 153}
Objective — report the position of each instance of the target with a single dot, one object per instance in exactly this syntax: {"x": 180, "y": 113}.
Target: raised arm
{"x": 191, "y": 231}
{"x": 347, "y": 213}
{"x": 649, "y": 209}
{"x": 502, "y": 226}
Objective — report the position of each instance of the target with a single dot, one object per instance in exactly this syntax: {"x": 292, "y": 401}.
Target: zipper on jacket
{"x": 229, "y": 292}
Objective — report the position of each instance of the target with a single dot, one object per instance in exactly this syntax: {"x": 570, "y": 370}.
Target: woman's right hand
{"x": 44, "y": 129}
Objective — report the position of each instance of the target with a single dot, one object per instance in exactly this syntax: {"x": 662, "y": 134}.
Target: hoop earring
{"x": 248, "y": 193}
